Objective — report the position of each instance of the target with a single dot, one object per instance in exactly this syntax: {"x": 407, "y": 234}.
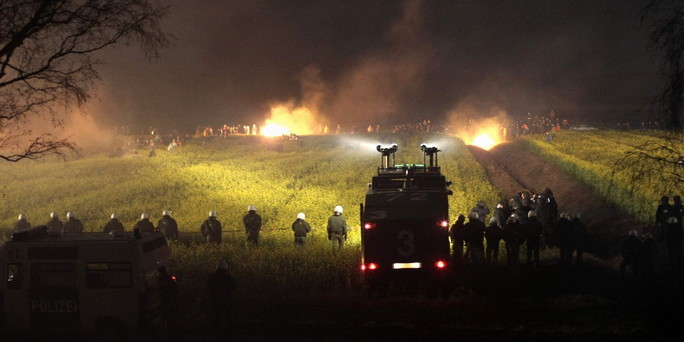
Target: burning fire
{"x": 272, "y": 129}
{"x": 286, "y": 119}
{"x": 484, "y": 137}
{"x": 484, "y": 142}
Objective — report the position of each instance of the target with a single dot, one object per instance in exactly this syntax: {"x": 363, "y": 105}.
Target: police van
{"x": 405, "y": 221}
{"x": 81, "y": 281}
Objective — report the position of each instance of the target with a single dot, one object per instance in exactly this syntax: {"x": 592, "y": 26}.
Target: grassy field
{"x": 280, "y": 177}
{"x": 591, "y": 158}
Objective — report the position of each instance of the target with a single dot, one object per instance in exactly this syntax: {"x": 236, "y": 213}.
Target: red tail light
{"x": 440, "y": 264}
{"x": 444, "y": 224}
{"x": 369, "y": 225}
{"x": 370, "y": 266}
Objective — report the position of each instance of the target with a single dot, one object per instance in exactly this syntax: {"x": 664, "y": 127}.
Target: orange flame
{"x": 286, "y": 119}
{"x": 484, "y": 137}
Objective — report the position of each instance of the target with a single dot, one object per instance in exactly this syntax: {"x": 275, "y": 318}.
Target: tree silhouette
{"x": 47, "y": 61}
{"x": 666, "y": 18}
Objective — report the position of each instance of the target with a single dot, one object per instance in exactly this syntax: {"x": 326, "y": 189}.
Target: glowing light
{"x": 484, "y": 142}
{"x": 440, "y": 264}
{"x": 444, "y": 224}
{"x": 405, "y": 265}
{"x": 369, "y": 225}
{"x": 286, "y": 119}
{"x": 274, "y": 130}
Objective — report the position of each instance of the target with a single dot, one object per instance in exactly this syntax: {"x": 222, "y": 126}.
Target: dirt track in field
{"x": 512, "y": 169}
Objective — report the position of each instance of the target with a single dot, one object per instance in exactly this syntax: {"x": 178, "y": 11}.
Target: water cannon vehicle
{"x": 404, "y": 221}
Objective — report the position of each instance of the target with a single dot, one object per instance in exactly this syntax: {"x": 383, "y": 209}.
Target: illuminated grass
{"x": 227, "y": 175}
{"x": 589, "y": 157}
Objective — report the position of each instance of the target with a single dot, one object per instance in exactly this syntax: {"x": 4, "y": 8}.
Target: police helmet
{"x": 672, "y": 219}
{"x": 69, "y": 215}
{"x": 166, "y": 212}
{"x": 53, "y": 215}
{"x": 515, "y": 216}
{"x": 565, "y": 215}
{"x": 492, "y": 220}
{"x": 144, "y": 216}
{"x": 301, "y": 216}
{"x": 251, "y": 207}
{"x": 578, "y": 216}
{"x": 633, "y": 232}
{"x": 22, "y": 217}
{"x": 113, "y": 216}
{"x": 473, "y": 215}
{"x": 531, "y": 213}
{"x": 338, "y": 209}
{"x": 213, "y": 213}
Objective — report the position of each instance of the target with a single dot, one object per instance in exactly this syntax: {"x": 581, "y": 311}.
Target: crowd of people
{"x": 526, "y": 219}
{"x": 639, "y": 251}
{"x": 211, "y": 229}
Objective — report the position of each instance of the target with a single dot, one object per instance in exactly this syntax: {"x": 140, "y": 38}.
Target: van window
{"x": 53, "y": 275}
{"x": 108, "y": 275}
{"x": 14, "y": 276}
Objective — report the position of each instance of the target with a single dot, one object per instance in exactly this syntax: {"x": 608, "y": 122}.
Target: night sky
{"x": 384, "y": 61}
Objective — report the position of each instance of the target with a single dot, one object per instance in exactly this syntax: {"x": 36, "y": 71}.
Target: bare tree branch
{"x": 46, "y": 59}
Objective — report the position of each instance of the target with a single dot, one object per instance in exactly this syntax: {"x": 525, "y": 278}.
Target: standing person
{"x": 54, "y": 225}
{"x": 579, "y": 236}
{"x": 22, "y": 223}
{"x": 457, "y": 233}
{"x": 475, "y": 230}
{"x": 337, "y": 229}
{"x": 482, "y": 211}
{"x": 144, "y": 225}
{"x": 167, "y": 225}
{"x": 300, "y": 228}
{"x": 493, "y": 236}
{"x": 252, "y": 223}
{"x": 72, "y": 225}
{"x": 663, "y": 213}
{"x": 220, "y": 284}
{"x": 563, "y": 232}
{"x": 678, "y": 211}
{"x": 113, "y": 225}
{"x": 512, "y": 236}
{"x": 501, "y": 213}
{"x": 211, "y": 228}
{"x": 673, "y": 241}
{"x": 533, "y": 231}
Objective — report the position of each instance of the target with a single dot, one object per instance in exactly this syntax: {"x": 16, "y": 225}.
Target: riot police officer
{"x": 54, "y": 225}
{"x": 211, "y": 228}
{"x": 144, "y": 225}
{"x": 300, "y": 228}
{"x": 337, "y": 229}
{"x": 493, "y": 236}
{"x": 168, "y": 226}
{"x": 252, "y": 222}
{"x": 72, "y": 225}
{"x": 22, "y": 223}
{"x": 113, "y": 226}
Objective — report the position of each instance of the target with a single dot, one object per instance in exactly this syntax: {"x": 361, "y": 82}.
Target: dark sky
{"x": 388, "y": 61}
